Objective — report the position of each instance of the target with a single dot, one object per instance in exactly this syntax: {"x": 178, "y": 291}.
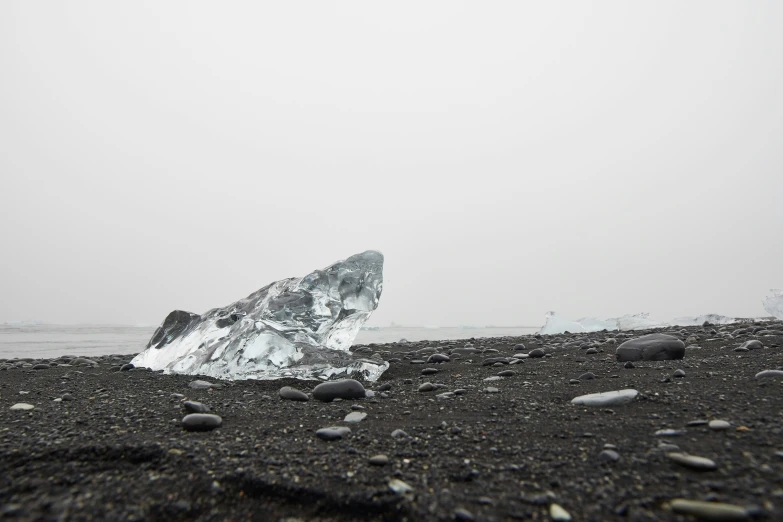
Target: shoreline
{"x": 117, "y": 449}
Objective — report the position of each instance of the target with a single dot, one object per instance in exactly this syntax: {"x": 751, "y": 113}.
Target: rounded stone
{"x": 610, "y": 398}
{"x": 333, "y": 433}
{"x": 709, "y": 510}
{"x": 126, "y": 367}
{"x": 355, "y": 416}
{"x": 651, "y": 347}
{"x": 586, "y": 376}
{"x": 767, "y": 374}
{"x": 536, "y": 354}
{"x": 678, "y": 374}
{"x": 719, "y": 425}
{"x": 752, "y": 345}
{"x": 438, "y": 358}
{"x": 195, "y": 407}
{"x": 292, "y": 394}
{"x": 201, "y": 422}
{"x": 379, "y": 460}
{"x": 342, "y": 389}
{"x": 22, "y": 406}
{"x": 426, "y": 387}
{"x": 693, "y": 462}
{"x": 608, "y": 455}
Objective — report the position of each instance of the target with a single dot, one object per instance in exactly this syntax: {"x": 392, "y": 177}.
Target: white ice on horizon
{"x": 774, "y": 303}
{"x": 556, "y": 324}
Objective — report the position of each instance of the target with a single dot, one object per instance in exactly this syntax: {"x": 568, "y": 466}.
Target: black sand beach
{"x": 113, "y": 447}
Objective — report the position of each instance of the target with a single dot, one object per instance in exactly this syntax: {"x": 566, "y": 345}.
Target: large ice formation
{"x": 774, "y": 303}
{"x": 299, "y": 328}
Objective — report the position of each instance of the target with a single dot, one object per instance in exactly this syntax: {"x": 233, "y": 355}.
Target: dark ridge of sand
{"x": 117, "y": 451}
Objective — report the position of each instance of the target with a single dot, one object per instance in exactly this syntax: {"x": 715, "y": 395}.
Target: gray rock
{"x": 719, "y": 425}
{"x": 536, "y": 354}
{"x": 292, "y": 394}
{"x": 195, "y": 407}
{"x": 201, "y": 422}
{"x": 679, "y": 373}
{"x": 379, "y": 460}
{"x": 333, "y": 432}
{"x": 200, "y": 385}
{"x": 693, "y": 462}
{"x": 752, "y": 345}
{"x": 608, "y": 455}
{"x": 22, "y": 406}
{"x": 355, "y": 416}
{"x": 438, "y": 358}
{"x": 715, "y": 511}
{"x": 610, "y": 398}
{"x": 342, "y": 389}
{"x": 767, "y": 374}
{"x": 652, "y": 347}
{"x": 398, "y": 434}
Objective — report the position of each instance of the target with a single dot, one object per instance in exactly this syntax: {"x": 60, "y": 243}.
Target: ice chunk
{"x": 556, "y": 324}
{"x": 774, "y": 303}
{"x": 299, "y": 328}
{"x": 637, "y": 322}
{"x": 701, "y": 319}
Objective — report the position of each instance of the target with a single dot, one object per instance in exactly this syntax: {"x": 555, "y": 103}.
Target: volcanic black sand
{"x": 115, "y": 449}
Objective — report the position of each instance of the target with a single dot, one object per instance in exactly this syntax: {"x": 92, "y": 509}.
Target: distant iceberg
{"x": 556, "y": 324}
{"x": 774, "y": 303}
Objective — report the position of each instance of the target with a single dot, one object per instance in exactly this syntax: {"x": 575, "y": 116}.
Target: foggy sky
{"x": 508, "y": 158}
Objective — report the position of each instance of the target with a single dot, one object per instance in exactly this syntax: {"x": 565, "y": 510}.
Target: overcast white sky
{"x": 508, "y": 158}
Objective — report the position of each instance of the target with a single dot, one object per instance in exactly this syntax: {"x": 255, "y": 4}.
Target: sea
{"x": 48, "y": 341}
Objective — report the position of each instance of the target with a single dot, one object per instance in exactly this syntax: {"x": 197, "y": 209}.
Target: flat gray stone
{"x": 355, "y": 416}
{"x": 333, "y": 432}
{"x": 693, "y": 462}
{"x": 201, "y": 422}
{"x": 716, "y": 511}
{"x": 610, "y": 398}
{"x": 343, "y": 389}
{"x": 719, "y": 425}
{"x": 21, "y": 406}
{"x": 652, "y": 347}
{"x": 292, "y": 394}
{"x": 767, "y": 374}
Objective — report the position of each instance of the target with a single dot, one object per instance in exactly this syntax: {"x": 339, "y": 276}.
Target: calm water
{"x": 49, "y": 341}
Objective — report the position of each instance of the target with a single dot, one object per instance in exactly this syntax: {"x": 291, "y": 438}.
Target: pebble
{"x": 438, "y": 358}
{"x": 126, "y": 367}
{"x": 195, "y": 407}
{"x": 200, "y": 385}
{"x": 462, "y": 514}
{"x": 22, "y": 406}
{"x": 769, "y": 373}
{"x": 379, "y": 460}
{"x": 426, "y": 387}
{"x": 292, "y": 394}
{"x": 67, "y": 397}
{"x": 201, "y": 422}
{"x": 41, "y": 367}
{"x": 586, "y": 376}
{"x": 629, "y": 365}
{"x": 429, "y": 371}
{"x": 491, "y": 390}
{"x": 507, "y": 373}
{"x": 591, "y": 351}
{"x": 355, "y": 416}
{"x": 679, "y": 374}
{"x": 669, "y": 433}
{"x": 719, "y": 425}
{"x": 651, "y": 347}
{"x": 399, "y": 487}
{"x": 537, "y": 353}
{"x": 333, "y": 432}
{"x": 610, "y": 398}
{"x": 693, "y": 462}
{"x": 608, "y": 455}
{"x": 493, "y": 378}
{"x": 343, "y": 389}
{"x": 714, "y": 511}
{"x": 398, "y": 434}
{"x": 558, "y": 514}
{"x": 752, "y": 345}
